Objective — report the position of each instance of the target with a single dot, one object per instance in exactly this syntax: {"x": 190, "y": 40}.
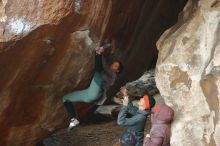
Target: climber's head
{"x": 117, "y": 66}
{"x": 146, "y": 103}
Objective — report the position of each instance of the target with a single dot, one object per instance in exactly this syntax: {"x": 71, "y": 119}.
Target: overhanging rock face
{"x": 188, "y": 74}
{"x": 46, "y": 51}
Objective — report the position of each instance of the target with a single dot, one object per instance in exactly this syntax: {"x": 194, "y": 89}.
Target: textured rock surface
{"x": 136, "y": 89}
{"x": 145, "y": 84}
{"x": 188, "y": 74}
{"x": 46, "y": 51}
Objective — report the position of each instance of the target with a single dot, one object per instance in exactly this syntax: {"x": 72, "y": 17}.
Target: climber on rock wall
{"x": 135, "y": 124}
{"x": 161, "y": 126}
{"x": 106, "y": 69}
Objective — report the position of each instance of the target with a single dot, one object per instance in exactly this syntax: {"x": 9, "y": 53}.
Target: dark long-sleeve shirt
{"x": 108, "y": 76}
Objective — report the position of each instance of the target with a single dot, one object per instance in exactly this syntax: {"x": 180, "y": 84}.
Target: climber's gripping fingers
{"x": 99, "y": 50}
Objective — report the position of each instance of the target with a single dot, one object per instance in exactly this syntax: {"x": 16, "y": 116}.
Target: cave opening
{"x": 141, "y": 25}
{"x": 136, "y": 26}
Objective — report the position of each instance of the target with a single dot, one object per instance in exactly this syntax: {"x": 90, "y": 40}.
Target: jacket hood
{"x": 164, "y": 115}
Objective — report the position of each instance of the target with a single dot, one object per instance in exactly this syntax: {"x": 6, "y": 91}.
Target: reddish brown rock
{"x": 46, "y": 51}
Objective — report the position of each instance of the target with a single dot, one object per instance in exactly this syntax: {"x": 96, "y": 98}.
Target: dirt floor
{"x": 100, "y": 134}
{"x": 97, "y": 131}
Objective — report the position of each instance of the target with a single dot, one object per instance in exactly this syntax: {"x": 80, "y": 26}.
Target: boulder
{"x": 46, "y": 51}
{"x": 136, "y": 89}
{"x": 188, "y": 74}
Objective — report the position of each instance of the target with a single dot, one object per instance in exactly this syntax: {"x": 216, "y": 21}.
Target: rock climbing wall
{"x": 188, "y": 74}
{"x": 46, "y": 51}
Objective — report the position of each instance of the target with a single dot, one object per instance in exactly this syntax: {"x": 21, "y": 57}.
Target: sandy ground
{"x": 99, "y": 134}
{"x": 96, "y": 131}
{"x": 94, "y": 134}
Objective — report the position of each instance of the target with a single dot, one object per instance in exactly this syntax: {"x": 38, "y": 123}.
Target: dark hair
{"x": 121, "y": 67}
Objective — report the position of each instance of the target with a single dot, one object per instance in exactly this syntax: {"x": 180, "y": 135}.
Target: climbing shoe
{"x": 73, "y": 123}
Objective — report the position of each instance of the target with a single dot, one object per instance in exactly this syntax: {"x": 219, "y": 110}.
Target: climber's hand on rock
{"x": 98, "y": 44}
{"x": 148, "y": 135}
{"x": 99, "y": 50}
{"x": 125, "y": 101}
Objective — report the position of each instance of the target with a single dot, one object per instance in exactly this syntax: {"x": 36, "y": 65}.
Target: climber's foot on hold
{"x": 73, "y": 123}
